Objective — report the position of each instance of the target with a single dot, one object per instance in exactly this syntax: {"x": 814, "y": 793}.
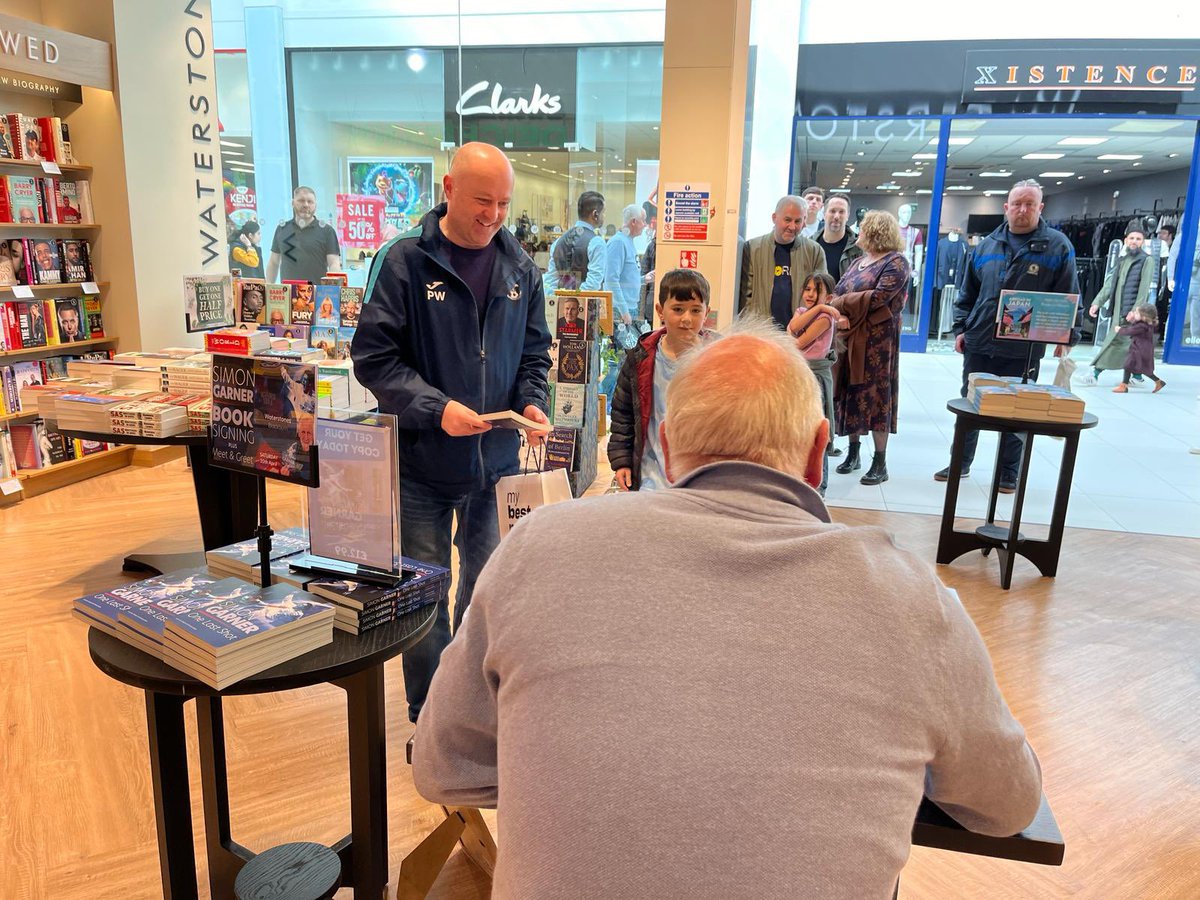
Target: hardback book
{"x": 297, "y": 354}
{"x": 14, "y": 250}
{"x": 52, "y": 336}
{"x": 350, "y": 306}
{"x": 242, "y": 559}
{"x": 76, "y": 256}
{"x": 31, "y": 319}
{"x": 291, "y": 332}
{"x": 66, "y": 202}
{"x": 26, "y": 446}
{"x": 279, "y": 304}
{"x": 12, "y": 327}
{"x": 569, "y": 400}
{"x": 324, "y": 338}
{"x": 51, "y": 139}
{"x": 302, "y": 302}
{"x": 251, "y": 300}
{"x": 572, "y": 361}
{"x": 560, "y": 448}
{"x": 56, "y": 447}
{"x": 26, "y": 136}
{"x": 43, "y": 265}
{"x": 208, "y": 302}
{"x": 6, "y": 140}
{"x": 95, "y": 318}
{"x": 24, "y": 203}
{"x": 46, "y": 197}
{"x": 327, "y": 300}
{"x": 238, "y": 341}
{"x": 85, "y": 201}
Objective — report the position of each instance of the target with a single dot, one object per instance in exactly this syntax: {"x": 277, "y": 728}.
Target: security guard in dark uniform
{"x": 304, "y": 247}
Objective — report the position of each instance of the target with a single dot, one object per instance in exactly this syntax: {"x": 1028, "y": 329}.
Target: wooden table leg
{"x": 366, "y": 866}
{"x": 172, "y": 796}
{"x": 1008, "y": 553}
{"x": 225, "y": 857}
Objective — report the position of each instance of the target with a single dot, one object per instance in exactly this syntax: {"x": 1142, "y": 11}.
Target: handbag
{"x": 519, "y": 495}
{"x": 1062, "y": 375}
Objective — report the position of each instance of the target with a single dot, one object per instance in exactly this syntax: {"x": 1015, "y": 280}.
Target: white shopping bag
{"x": 519, "y": 495}
{"x": 1062, "y": 375}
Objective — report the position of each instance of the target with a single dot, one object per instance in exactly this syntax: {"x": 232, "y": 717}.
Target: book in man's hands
{"x": 508, "y": 418}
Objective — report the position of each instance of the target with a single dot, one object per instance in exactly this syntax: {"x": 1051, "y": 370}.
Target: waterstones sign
{"x": 204, "y": 159}
{"x": 513, "y": 98}
{"x": 1111, "y": 75}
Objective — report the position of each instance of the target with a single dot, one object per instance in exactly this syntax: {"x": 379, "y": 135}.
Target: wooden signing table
{"x": 355, "y": 664}
{"x": 226, "y": 501}
{"x": 1008, "y": 541}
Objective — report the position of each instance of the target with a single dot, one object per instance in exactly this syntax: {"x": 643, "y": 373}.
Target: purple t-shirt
{"x": 472, "y": 266}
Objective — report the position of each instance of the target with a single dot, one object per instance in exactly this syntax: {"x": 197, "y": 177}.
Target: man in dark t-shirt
{"x": 304, "y": 247}
{"x": 835, "y": 239}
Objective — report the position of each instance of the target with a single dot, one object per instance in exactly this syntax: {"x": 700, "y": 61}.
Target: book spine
{"x": 50, "y": 199}
{"x": 18, "y": 137}
{"x": 6, "y": 214}
{"x": 12, "y": 329}
{"x": 52, "y": 336}
{"x": 46, "y": 139}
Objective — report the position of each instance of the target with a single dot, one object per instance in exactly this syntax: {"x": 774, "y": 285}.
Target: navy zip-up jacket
{"x": 1045, "y": 263}
{"x": 419, "y": 345}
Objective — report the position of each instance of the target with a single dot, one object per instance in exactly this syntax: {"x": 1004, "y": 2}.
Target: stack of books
{"x": 1031, "y": 402}
{"x": 1065, "y": 406}
{"x": 238, "y": 635}
{"x": 217, "y": 630}
{"x": 236, "y": 341}
{"x": 992, "y": 400}
{"x": 147, "y": 377}
{"x": 199, "y": 415}
{"x": 92, "y": 411}
{"x": 360, "y": 606}
{"x": 242, "y": 561}
{"x": 149, "y": 418}
{"x": 187, "y": 376}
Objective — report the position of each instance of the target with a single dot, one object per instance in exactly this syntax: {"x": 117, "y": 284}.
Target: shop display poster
{"x": 405, "y": 185}
{"x": 354, "y": 516}
{"x": 1036, "y": 316}
{"x": 360, "y": 221}
{"x": 263, "y": 419}
{"x": 208, "y": 302}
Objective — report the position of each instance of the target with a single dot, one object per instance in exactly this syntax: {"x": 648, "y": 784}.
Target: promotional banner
{"x": 264, "y": 418}
{"x": 354, "y": 515}
{"x": 360, "y": 221}
{"x": 405, "y": 185}
{"x": 241, "y": 201}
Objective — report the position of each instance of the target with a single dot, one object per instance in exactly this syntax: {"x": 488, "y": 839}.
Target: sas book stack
{"x": 149, "y": 418}
{"x": 241, "y": 559}
{"x": 92, "y": 412}
{"x": 199, "y": 415}
{"x": 361, "y": 607}
{"x": 992, "y": 400}
{"x": 231, "y": 638}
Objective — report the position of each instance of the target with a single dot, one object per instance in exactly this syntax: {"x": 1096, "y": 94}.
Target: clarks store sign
{"x": 53, "y": 56}
{"x": 1112, "y": 75}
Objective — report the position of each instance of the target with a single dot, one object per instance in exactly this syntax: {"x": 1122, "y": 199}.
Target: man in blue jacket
{"x": 1023, "y": 254}
{"x": 453, "y": 325}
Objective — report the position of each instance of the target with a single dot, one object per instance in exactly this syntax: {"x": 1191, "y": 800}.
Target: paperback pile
{"x": 149, "y": 418}
{"x": 92, "y": 411}
{"x": 993, "y": 400}
{"x": 361, "y": 607}
{"x": 217, "y": 630}
{"x": 986, "y": 379}
{"x": 242, "y": 560}
{"x": 1030, "y": 402}
{"x": 146, "y": 377}
{"x": 188, "y": 376}
{"x": 199, "y": 414}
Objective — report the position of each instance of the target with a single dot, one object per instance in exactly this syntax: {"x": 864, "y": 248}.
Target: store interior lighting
{"x": 416, "y": 60}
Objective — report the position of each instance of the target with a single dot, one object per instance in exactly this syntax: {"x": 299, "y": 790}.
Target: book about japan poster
{"x": 263, "y": 418}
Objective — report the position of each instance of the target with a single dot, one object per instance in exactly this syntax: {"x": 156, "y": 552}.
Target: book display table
{"x": 1008, "y": 541}
{"x": 355, "y": 664}
{"x": 225, "y": 500}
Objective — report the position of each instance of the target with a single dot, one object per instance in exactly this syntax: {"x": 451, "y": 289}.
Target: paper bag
{"x": 519, "y": 495}
{"x": 1062, "y": 375}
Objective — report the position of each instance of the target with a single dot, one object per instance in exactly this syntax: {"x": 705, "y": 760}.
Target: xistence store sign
{"x": 1108, "y": 74}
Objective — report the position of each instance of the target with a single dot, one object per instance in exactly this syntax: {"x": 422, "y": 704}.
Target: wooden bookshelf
{"x": 26, "y": 228}
{"x": 68, "y": 287}
{"x": 17, "y": 417}
{"x": 51, "y": 349}
{"x": 40, "y": 481}
{"x": 67, "y": 168}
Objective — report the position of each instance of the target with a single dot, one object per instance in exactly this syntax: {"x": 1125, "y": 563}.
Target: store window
{"x": 237, "y": 154}
{"x": 886, "y": 164}
{"x": 1097, "y": 174}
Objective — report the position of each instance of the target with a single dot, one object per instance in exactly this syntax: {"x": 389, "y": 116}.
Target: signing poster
{"x": 1036, "y": 316}
{"x": 264, "y": 418}
{"x": 406, "y": 186}
{"x": 354, "y": 515}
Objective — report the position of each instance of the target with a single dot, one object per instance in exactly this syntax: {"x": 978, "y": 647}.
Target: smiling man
{"x": 775, "y": 265}
{"x": 453, "y": 325}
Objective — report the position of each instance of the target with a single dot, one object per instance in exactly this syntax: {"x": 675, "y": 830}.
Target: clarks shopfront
{"x": 937, "y": 132}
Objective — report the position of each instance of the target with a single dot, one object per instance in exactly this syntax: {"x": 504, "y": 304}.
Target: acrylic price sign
{"x": 90, "y": 287}
{"x": 51, "y": 168}
{"x": 22, "y": 291}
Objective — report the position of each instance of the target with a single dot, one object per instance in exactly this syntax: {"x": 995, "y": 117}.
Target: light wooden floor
{"x": 1099, "y": 664}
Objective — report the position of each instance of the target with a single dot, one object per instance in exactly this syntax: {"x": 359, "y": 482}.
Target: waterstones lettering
{"x": 208, "y": 183}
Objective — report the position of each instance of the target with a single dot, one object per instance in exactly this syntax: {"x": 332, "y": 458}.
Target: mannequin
{"x": 951, "y": 253}
{"x": 914, "y": 252}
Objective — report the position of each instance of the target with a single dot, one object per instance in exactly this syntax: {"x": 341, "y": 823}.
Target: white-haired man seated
{"x": 755, "y": 710}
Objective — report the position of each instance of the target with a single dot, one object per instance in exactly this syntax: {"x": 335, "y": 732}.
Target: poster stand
{"x": 1035, "y": 318}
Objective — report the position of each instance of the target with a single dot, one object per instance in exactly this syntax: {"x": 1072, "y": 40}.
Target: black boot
{"x": 851, "y": 463}
{"x": 877, "y": 474}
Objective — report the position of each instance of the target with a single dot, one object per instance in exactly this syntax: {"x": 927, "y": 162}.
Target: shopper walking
{"x": 1139, "y": 359}
{"x": 871, "y": 296}
{"x": 1126, "y": 287}
{"x": 454, "y": 325}
{"x": 577, "y": 257}
{"x": 1023, "y": 254}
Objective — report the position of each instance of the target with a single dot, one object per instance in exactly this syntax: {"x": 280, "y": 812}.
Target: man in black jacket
{"x": 1023, "y": 254}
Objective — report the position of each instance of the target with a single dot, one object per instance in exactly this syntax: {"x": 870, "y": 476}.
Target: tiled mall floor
{"x": 1133, "y": 472}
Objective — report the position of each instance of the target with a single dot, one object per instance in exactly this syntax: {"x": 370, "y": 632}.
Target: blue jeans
{"x": 426, "y": 516}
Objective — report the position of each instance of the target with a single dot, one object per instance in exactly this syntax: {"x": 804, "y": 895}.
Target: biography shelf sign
{"x": 354, "y": 516}
{"x": 685, "y": 212}
{"x": 264, "y": 418}
{"x": 1036, "y": 316}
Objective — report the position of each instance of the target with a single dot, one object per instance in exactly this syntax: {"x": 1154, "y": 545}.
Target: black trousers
{"x": 1011, "y": 445}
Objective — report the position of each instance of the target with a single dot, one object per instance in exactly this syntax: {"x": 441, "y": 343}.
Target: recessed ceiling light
{"x": 924, "y": 156}
{"x": 1058, "y": 182}
{"x": 907, "y": 173}
{"x": 225, "y": 153}
{"x": 1137, "y": 164}
{"x": 1125, "y": 156}
{"x": 1081, "y": 141}
{"x": 887, "y": 187}
{"x": 862, "y": 153}
{"x": 225, "y": 143}
{"x": 1106, "y": 171}
{"x": 961, "y": 187}
{"x": 1043, "y": 156}
{"x": 1080, "y": 177}
{"x": 995, "y": 174}
{"x": 1172, "y": 155}
{"x": 994, "y": 193}
{"x": 839, "y": 190}
{"x": 924, "y": 191}
{"x": 1056, "y": 175}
